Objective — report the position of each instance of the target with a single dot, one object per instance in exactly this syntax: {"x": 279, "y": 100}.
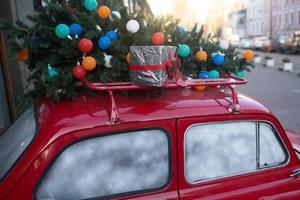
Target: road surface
{"x": 279, "y": 91}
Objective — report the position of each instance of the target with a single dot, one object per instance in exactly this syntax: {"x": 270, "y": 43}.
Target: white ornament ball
{"x": 132, "y": 26}
{"x": 224, "y": 44}
{"x": 115, "y": 15}
{"x": 107, "y": 60}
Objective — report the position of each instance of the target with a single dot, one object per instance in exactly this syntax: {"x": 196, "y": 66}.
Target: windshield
{"x": 16, "y": 139}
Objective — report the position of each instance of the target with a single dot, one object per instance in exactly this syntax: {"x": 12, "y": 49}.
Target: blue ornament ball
{"x": 218, "y": 59}
{"x": 203, "y": 75}
{"x": 214, "y": 74}
{"x": 104, "y": 43}
{"x": 113, "y": 36}
{"x": 75, "y": 30}
{"x": 62, "y": 31}
{"x": 90, "y": 4}
{"x": 184, "y": 50}
{"x": 181, "y": 31}
{"x": 240, "y": 74}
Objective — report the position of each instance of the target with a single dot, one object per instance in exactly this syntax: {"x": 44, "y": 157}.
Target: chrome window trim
{"x": 279, "y": 138}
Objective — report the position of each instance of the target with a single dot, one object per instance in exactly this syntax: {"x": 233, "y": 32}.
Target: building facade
{"x": 237, "y": 24}
{"x": 285, "y": 17}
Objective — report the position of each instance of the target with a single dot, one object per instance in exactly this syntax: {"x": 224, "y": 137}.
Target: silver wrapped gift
{"x": 150, "y": 64}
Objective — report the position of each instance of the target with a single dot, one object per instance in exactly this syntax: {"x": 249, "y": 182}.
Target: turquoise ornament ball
{"x": 91, "y": 5}
{"x": 213, "y": 74}
{"x": 52, "y": 73}
{"x": 184, "y": 50}
{"x": 240, "y": 74}
{"x": 218, "y": 59}
{"x": 62, "y": 31}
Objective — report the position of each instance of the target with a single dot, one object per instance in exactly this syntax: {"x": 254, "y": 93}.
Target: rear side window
{"x": 16, "y": 139}
{"x": 225, "y": 149}
{"x": 108, "y": 165}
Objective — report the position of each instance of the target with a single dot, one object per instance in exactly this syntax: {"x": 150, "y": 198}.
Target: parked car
{"x": 245, "y": 43}
{"x": 272, "y": 46}
{"x": 290, "y": 43}
{"x": 177, "y": 144}
{"x": 259, "y": 42}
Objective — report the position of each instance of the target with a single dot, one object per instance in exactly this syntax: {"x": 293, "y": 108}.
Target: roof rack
{"x": 228, "y": 80}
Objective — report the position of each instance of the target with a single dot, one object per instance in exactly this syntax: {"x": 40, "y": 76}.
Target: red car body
{"x": 61, "y": 124}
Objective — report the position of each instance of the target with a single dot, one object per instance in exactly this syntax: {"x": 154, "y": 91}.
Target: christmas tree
{"x": 69, "y": 41}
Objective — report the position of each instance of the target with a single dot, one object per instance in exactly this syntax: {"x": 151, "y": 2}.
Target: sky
{"x": 190, "y": 11}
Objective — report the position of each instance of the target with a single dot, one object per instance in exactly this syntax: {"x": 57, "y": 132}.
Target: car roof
{"x": 137, "y": 106}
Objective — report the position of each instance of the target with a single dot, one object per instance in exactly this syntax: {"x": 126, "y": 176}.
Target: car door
{"x": 235, "y": 157}
{"x": 127, "y": 161}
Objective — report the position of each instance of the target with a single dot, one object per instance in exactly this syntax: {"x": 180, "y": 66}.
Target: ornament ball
{"x": 89, "y": 63}
{"x": 104, "y": 12}
{"x": 90, "y": 4}
{"x": 181, "y": 31}
{"x": 201, "y": 56}
{"x": 85, "y": 45}
{"x": 203, "y": 75}
{"x": 78, "y": 72}
{"x": 158, "y": 38}
{"x": 23, "y": 55}
{"x": 213, "y": 74}
{"x": 248, "y": 55}
{"x": 218, "y": 59}
{"x": 75, "y": 30}
{"x": 113, "y": 35}
{"x": 240, "y": 74}
{"x": 104, "y": 43}
{"x": 184, "y": 50}
{"x": 133, "y": 26}
{"x": 128, "y": 58}
{"x": 200, "y": 88}
{"x": 62, "y": 31}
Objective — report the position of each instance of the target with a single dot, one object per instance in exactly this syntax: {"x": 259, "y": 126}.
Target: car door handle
{"x": 295, "y": 173}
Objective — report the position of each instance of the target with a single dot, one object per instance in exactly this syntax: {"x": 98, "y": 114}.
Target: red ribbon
{"x": 147, "y": 67}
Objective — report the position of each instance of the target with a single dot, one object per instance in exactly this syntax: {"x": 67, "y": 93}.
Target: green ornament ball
{"x": 90, "y": 5}
{"x": 184, "y": 50}
{"x": 62, "y": 31}
{"x": 240, "y": 74}
{"x": 213, "y": 74}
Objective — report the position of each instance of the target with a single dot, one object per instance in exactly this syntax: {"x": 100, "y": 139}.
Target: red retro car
{"x": 177, "y": 143}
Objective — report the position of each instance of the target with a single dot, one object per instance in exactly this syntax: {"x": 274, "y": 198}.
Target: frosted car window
{"x": 218, "y": 150}
{"x": 16, "y": 139}
{"x": 108, "y": 165}
{"x": 271, "y": 152}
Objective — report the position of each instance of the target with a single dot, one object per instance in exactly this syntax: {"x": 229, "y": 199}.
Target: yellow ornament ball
{"x": 89, "y": 63}
{"x": 200, "y": 88}
{"x": 248, "y": 55}
{"x": 104, "y": 12}
{"x": 201, "y": 56}
{"x": 128, "y": 58}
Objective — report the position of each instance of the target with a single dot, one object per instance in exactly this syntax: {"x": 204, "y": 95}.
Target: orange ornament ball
{"x": 201, "y": 56}
{"x": 23, "y": 55}
{"x": 158, "y": 38}
{"x": 89, "y": 63}
{"x": 128, "y": 58}
{"x": 248, "y": 55}
{"x": 200, "y": 88}
{"x": 104, "y": 12}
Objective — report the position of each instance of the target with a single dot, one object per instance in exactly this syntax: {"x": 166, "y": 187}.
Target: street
{"x": 277, "y": 90}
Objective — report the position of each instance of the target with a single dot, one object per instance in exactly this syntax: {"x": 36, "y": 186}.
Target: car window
{"x": 16, "y": 139}
{"x": 217, "y": 150}
{"x": 108, "y": 165}
{"x": 226, "y": 149}
{"x": 271, "y": 151}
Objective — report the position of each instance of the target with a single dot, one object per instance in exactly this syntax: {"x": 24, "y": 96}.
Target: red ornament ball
{"x": 85, "y": 45}
{"x": 79, "y": 72}
{"x": 158, "y": 38}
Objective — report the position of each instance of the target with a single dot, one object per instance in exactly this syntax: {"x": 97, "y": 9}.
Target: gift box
{"x": 150, "y": 64}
